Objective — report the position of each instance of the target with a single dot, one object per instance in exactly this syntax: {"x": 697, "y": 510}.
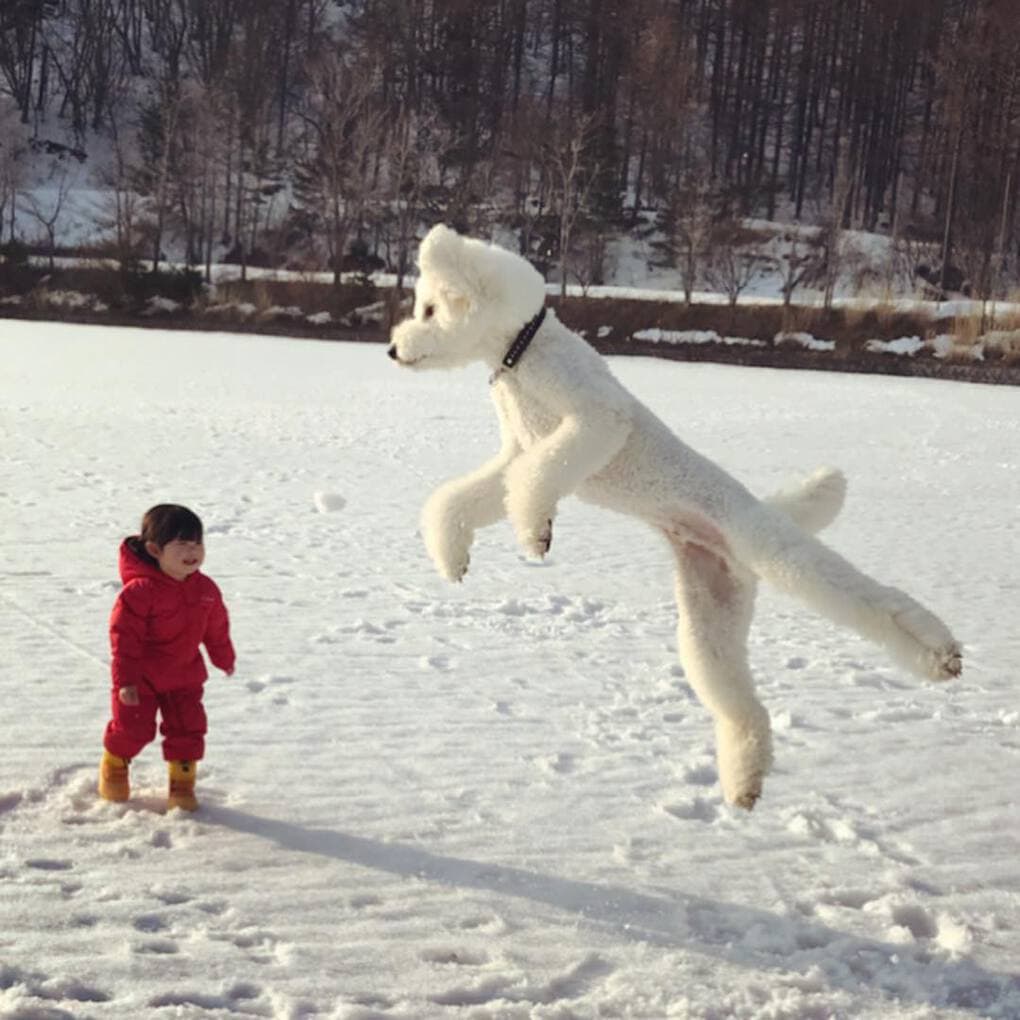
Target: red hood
{"x": 132, "y": 566}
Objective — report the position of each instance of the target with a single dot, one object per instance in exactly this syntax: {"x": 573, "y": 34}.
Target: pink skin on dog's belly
{"x": 679, "y": 526}
{"x": 699, "y": 530}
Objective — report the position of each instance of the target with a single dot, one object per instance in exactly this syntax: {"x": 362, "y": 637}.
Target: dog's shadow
{"x": 735, "y": 934}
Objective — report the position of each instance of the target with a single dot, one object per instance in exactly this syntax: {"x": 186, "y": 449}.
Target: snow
{"x": 496, "y": 800}
{"x": 904, "y": 345}
{"x": 692, "y": 336}
{"x": 806, "y": 340}
{"x": 161, "y": 306}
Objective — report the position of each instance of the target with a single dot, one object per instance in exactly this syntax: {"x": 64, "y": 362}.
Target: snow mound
{"x": 328, "y": 502}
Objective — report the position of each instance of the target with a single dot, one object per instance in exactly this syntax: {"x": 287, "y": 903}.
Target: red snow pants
{"x": 182, "y": 723}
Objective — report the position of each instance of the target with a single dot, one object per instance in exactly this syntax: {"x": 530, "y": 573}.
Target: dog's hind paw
{"x": 536, "y": 543}
{"x": 745, "y": 755}
{"x": 748, "y": 799}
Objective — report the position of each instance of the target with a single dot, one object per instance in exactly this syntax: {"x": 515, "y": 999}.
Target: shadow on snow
{"x": 739, "y": 935}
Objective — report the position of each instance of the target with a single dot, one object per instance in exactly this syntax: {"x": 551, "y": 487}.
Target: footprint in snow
{"x": 915, "y": 919}
{"x": 48, "y": 864}
{"x": 441, "y": 663}
{"x": 150, "y": 923}
{"x": 361, "y": 901}
{"x": 157, "y": 947}
{"x": 241, "y": 993}
{"x": 837, "y": 827}
{"x": 490, "y": 924}
{"x": 692, "y": 809}
{"x": 703, "y": 774}
{"x": 560, "y": 763}
{"x": 453, "y": 956}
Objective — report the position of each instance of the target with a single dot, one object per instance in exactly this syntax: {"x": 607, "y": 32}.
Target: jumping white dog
{"x": 568, "y": 426}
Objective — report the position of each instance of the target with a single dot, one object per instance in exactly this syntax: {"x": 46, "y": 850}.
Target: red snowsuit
{"x": 156, "y": 627}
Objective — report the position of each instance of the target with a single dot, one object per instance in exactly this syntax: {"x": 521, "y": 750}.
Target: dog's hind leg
{"x": 715, "y": 602}
{"x": 798, "y": 564}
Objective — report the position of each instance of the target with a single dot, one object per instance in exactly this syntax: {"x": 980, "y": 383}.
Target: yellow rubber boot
{"x": 113, "y": 777}
{"x": 182, "y": 786}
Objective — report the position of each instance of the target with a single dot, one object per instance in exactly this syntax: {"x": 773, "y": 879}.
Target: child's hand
{"x": 128, "y": 696}
{"x": 229, "y": 672}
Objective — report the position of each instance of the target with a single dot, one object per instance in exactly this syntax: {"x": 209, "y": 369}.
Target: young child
{"x": 165, "y": 610}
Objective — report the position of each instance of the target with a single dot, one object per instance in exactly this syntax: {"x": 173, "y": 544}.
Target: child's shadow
{"x": 676, "y": 920}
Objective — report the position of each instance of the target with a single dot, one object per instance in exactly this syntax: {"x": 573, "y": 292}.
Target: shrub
{"x": 183, "y": 286}
{"x": 14, "y": 253}
{"x": 17, "y": 275}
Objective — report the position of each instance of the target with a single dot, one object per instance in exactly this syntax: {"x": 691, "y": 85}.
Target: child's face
{"x": 178, "y": 558}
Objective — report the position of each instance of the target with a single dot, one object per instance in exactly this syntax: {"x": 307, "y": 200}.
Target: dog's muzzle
{"x": 392, "y": 352}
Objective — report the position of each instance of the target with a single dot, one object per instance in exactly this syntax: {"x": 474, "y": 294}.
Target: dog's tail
{"x": 815, "y": 503}
{"x": 774, "y": 543}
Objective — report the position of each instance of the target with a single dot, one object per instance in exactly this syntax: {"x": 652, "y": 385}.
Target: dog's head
{"x": 470, "y": 301}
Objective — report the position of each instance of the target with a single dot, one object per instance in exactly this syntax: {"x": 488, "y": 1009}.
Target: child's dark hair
{"x": 163, "y": 523}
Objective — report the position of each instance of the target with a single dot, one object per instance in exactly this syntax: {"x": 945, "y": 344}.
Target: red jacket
{"x": 158, "y": 623}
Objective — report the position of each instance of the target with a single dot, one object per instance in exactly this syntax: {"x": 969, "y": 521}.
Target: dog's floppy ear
{"x": 444, "y": 257}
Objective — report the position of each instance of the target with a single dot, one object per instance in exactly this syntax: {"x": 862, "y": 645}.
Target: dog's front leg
{"x": 454, "y": 512}
{"x": 579, "y": 447}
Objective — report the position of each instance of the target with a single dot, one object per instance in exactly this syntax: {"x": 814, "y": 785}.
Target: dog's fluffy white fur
{"x": 568, "y": 426}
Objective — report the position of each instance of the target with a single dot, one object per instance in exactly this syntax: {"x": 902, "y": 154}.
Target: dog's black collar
{"x": 526, "y": 335}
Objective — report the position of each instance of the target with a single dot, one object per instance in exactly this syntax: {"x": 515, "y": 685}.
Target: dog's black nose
{"x": 392, "y": 352}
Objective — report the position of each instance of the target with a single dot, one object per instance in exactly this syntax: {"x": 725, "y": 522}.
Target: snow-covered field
{"x": 496, "y": 800}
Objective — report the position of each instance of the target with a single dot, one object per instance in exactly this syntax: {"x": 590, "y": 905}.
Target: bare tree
{"x": 158, "y": 176}
{"x": 196, "y": 171}
{"x": 345, "y": 124}
{"x": 690, "y": 221}
{"x": 588, "y": 257}
{"x": 527, "y": 176}
{"x": 411, "y": 146}
{"x": 13, "y": 152}
{"x": 124, "y": 206}
{"x": 22, "y": 31}
{"x": 210, "y": 140}
{"x": 830, "y": 235}
{"x": 730, "y": 268}
{"x": 799, "y": 262}
{"x": 47, "y": 206}
{"x": 572, "y": 174}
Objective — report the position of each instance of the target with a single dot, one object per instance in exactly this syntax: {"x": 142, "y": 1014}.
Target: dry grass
{"x": 613, "y": 320}
{"x": 965, "y": 330}
{"x": 1003, "y": 346}
{"x": 310, "y": 296}
{"x": 849, "y": 328}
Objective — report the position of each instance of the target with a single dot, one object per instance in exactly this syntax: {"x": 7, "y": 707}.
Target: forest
{"x": 327, "y": 131}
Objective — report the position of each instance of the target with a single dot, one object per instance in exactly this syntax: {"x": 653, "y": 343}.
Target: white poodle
{"x": 568, "y": 426}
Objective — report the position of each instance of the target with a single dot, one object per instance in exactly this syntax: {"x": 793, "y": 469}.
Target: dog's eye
{"x": 430, "y": 310}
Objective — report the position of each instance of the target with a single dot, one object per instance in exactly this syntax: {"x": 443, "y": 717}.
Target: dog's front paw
{"x": 452, "y": 561}
{"x": 456, "y": 572}
{"x": 449, "y": 550}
